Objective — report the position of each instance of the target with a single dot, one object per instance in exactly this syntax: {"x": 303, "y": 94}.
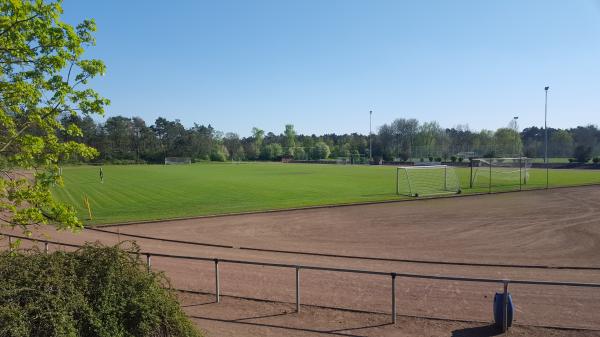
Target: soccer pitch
{"x": 152, "y": 192}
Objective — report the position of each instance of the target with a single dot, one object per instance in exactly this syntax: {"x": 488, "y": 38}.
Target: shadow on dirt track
{"x": 480, "y": 331}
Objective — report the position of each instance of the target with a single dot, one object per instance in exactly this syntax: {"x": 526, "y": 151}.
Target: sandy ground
{"x": 239, "y": 317}
{"x": 558, "y": 227}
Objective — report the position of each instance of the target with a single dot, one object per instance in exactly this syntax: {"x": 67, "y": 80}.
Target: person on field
{"x": 101, "y": 175}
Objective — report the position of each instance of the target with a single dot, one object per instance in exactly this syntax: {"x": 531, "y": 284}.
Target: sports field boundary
{"x": 298, "y": 267}
{"x": 353, "y": 257}
{"x": 348, "y": 204}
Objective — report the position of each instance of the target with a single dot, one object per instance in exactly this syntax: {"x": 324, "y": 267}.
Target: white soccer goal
{"x": 177, "y": 160}
{"x": 488, "y": 172}
{"x": 342, "y": 160}
{"x": 418, "y": 181}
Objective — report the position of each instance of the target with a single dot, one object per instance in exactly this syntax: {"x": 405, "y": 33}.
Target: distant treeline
{"x": 124, "y": 139}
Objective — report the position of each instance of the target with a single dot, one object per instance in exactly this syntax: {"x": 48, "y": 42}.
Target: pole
{"x": 46, "y": 247}
{"x": 370, "y": 142}
{"x": 217, "y": 285}
{"x": 149, "y": 262}
{"x": 10, "y": 243}
{"x": 471, "y": 165}
{"x": 490, "y": 182}
{"x": 520, "y": 173}
{"x": 517, "y": 152}
{"x": 393, "y": 298}
{"x": 445, "y": 178}
{"x": 505, "y": 308}
{"x": 297, "y": 289}
{"x": 546, "y": 133}
{"x": 397, "y": 182}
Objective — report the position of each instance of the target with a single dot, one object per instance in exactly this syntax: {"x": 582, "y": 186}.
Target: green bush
{"x": 596, "y": 160}
{"x": 218, "y": 155}
{"x": 320, "y": 151}
{"x": 582, "y": 153}
{"x": 94, "y": 291}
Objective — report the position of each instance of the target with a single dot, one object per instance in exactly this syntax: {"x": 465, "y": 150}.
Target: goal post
{"x": 418, "y": 181}
{"x": 177, "y": 160}
{"x": 490, "y": 172}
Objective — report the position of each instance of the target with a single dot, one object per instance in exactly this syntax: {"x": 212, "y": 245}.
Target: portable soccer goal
{"x": 342, "y": 160}
{"x": 177, "y": 160}
{"x": 488, "y": 172}
{"x": 418, "y": 181}
{"x": 354, "y": 159}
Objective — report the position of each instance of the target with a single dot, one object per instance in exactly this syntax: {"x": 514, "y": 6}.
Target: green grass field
{"x": 148, "y": 192}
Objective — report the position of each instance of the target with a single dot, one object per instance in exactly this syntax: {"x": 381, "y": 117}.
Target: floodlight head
{"x": 516, "y": 117}
{"x": 546, "y": 88}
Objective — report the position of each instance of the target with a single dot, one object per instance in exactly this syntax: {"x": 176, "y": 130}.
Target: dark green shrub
{"x": 596, "y": 160}
{"x": 453, "y": 159}
{"x": 438, "y": 159}
{"x": 95, "y": 291}
{"x": 460, "y": 159}
{"x": 490, "y": 154}
{"x": 403, "y": 156}
{"x": 582, "y": 153}
{"x": 430, "y": 158}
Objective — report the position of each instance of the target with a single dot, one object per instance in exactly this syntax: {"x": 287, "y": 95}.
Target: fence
{"x": 298, "y": 267}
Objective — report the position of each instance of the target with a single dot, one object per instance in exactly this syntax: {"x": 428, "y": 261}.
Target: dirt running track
{"x": 555, "y": 228}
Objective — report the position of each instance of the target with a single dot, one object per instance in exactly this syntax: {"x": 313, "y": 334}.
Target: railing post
{"x": 297, "y": 289}
{"x": 505, "y": 308}
{"x": 217, "y": 284}
{"x": 46, "y": 247}
{"x": 149, "y": 262}
{"x": 10, "y": 248}
{"x": 393, "y": 298}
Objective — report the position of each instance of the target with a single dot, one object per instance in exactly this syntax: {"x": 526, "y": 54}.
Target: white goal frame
{"x": 496, "y": 168}
{"x": 177, "y": 160}
{"x": 407, "y": 169}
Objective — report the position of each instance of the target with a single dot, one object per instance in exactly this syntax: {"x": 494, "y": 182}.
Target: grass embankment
{"x": 148, "y": 192}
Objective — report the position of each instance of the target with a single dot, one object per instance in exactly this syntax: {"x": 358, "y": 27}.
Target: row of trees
{"x": 131, "y": 139}
{"x": 407, "y": 138}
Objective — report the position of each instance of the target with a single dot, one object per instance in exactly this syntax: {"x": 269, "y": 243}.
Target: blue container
{"x": 499, "y": 312}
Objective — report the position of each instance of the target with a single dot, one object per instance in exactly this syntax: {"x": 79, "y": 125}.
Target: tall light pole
{"x": 370, "y": 143}
{"x": 546, "y": 133}
{"x": 516, "y": 136}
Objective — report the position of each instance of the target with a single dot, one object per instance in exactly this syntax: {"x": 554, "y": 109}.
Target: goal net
{"x": 418, "y": 181}
{"x": 342, "y": 160}
{"x": 177, "y": 160}
{"x": 487, "y": 172}
{"x": 354, "y": 159}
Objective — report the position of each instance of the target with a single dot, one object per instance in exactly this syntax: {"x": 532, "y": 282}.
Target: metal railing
{"x": 299, "y": 267}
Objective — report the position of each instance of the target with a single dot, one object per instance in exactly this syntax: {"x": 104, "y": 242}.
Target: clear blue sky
{"x": 322, "y": 65}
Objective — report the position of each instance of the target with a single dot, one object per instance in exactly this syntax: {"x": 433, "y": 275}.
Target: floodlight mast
{"x": 546, "y": 133}
{"x": 517, "y": 152}
{"x": 370, "y": 132}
